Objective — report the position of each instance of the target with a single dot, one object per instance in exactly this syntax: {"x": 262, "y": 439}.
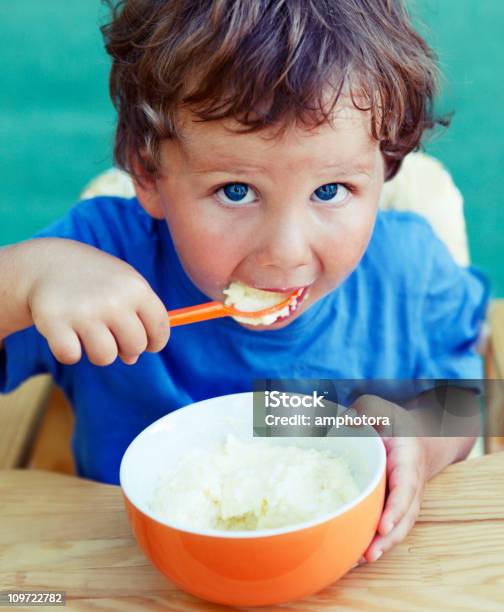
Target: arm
{"x": 447, "y": 424}
{"x": 442, "y": 452}
{"x": 415, "y": 455}
{"x": 17, "y": 272}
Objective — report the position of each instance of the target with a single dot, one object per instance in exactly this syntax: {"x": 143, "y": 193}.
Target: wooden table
{"x": 62, "y": 533}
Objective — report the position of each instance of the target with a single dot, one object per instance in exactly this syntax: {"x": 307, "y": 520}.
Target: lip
{"x": 286, "y": 290}
{"x": 300, "y": 300}
{"x": 303, "y": 291}
{"x": 282, "y": 289}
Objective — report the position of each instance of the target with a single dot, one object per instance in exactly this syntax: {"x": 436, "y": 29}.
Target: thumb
{"x": 387, "y": 418}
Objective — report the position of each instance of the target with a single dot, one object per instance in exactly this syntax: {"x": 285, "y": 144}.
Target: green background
{"x": 56, "y": 121}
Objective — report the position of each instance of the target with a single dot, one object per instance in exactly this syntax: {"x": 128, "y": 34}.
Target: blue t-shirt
{"x": 406, "y": 312}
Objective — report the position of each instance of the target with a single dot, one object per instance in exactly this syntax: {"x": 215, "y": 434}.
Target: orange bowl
{"x": 248, "y": 568}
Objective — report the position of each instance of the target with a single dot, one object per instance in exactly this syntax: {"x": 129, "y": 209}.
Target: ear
{"x": 147, "y": 191}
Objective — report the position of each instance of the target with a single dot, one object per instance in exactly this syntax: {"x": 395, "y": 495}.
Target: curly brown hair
{"x": 266, "y": 63}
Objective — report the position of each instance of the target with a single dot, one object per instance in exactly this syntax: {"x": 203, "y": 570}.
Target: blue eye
{"x": 332, "y": 193}
{"x": 236, "y": 193}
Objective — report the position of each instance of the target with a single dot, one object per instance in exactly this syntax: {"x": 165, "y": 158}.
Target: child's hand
{"x": 407, "y": 472}
{"x": 84, "y": 298}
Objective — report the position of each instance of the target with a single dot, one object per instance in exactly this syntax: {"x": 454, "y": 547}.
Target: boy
{"x": 259, "y": 134}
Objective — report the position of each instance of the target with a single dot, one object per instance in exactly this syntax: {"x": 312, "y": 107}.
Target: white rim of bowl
{"x": 259, "y": 533}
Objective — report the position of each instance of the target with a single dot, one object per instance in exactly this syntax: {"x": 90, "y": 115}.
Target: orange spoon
{"x": 215, "y": 310}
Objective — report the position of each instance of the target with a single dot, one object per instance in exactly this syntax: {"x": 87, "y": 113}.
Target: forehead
{"x": 347, "y": 137}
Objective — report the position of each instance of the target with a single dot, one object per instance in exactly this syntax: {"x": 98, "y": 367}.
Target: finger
{"x": 382, "y": 411}
{"x": 403, "y": 488}
{"x": 403, "y": 485}
{"x": 128, "y": 360}
{"x": 382, "y": 544}
{"x": 394, "y": 420}
{"x": 373, "y": 405}
{"x": 99, "y": 343}
{"x": 355, "y": 420}
{"x": 156, "y": 323}
{"x": 130, "y": 337}
{"x": 64, "y": 343}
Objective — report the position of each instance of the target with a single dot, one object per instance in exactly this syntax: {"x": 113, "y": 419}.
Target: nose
{"x": 286, "y": 241}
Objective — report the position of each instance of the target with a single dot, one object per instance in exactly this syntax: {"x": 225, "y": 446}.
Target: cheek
{"x": 346, "y": 239}
{"x": 208, "y": 250}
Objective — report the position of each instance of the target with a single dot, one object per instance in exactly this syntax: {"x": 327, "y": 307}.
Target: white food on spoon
{"x": 248, "y": 299}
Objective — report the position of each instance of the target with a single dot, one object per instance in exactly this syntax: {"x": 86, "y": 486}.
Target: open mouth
{"x": 250, "y": 299}
{"x": 292, "y": 307}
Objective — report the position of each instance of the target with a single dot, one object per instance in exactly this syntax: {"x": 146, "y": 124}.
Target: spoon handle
{"x": 215, "y": 310}
{"x": 193, "y": 314}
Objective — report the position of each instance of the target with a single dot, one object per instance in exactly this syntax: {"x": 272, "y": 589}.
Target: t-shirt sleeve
{"x": 453, "y": 312}
{"x": 99, "y": 222}
{"x": 25, "y": 354}
{"x": 114, "y": 225}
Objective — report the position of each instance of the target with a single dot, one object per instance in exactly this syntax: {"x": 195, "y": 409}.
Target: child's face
{"x": 275, "y": 213}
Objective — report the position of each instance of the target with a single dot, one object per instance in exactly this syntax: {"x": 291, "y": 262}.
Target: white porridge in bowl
{"x": 252, "y": 485}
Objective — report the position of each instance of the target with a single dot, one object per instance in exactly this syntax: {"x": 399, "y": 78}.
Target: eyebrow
{"x": 350, "y": 169}
{"x": 343, "y": 169}
{"x": 207, "y": 168}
